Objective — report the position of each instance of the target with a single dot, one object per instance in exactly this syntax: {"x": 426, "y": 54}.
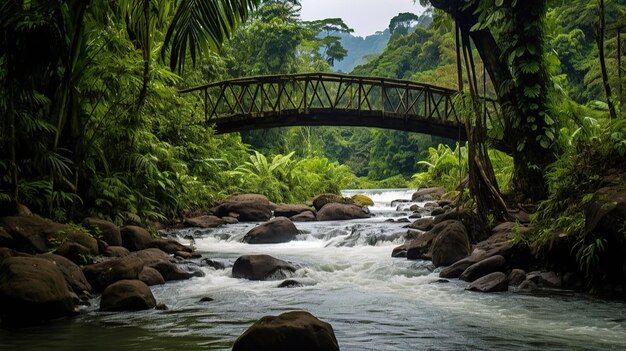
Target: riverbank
{"x": 349, "y": 279}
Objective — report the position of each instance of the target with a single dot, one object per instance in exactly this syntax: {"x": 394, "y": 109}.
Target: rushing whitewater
{"x": 373, "y": 301}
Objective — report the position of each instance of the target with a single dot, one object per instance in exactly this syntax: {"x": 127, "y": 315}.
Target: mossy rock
{"x": 323, "y": 199}
{"x": 362, "y": 200}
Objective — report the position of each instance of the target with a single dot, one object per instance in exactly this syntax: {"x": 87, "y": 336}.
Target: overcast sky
{"x": 364, "y": 16}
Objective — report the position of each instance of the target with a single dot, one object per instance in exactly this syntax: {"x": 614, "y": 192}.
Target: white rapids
{"x": 373, "y": 301}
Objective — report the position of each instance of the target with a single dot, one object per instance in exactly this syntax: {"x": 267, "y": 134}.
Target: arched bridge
{"x": 331, "y": 99}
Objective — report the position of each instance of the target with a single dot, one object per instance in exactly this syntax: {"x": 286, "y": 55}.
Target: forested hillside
{"x": 360, "y": 49}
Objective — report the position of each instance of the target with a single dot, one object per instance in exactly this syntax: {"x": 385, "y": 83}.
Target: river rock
{"x": 480, "y": 269}
{"x": 297, "y": 330}
{"x": 72, "y": 273}
{"x": 450, "y": 245}
{"x": 399, "y": 251}
{"x": 127, "y": 295}
{"x": 169, "y": 246}
{"x": 291, "y": 210}
{"x": 29, "y": 234}
{"x": 307, "y": 216}
{"x": 278, "y": 230}
{"x": 109, "y": 232}
{"x": 151, "y": 276}
{"x": 457, "y": 268}
{"x": 472, "y": 222}
{"x": 290, "y": 283}
{"x": 427, "y": 194}
{"x": 437, "y": 211}
{"x": 6, "y": 240}
{"x": 261, "y": 267}
{"x": 418, "y": 248}
{"x": 516, "y": 277}
{"x": 493, "y": 282}
{"x": 362, "y": 200}
{"x": 230, "y": 220}
{"x": 246, "y": 208}
{"x": 606, "y": 212}
{"x": 5, "y": 253}
{"x": 75, "y": 252}
{"x": 101, "y": 275}
{"x": 135, "y": 238}
{"x": 203, "y": 222}
{"x": 33, "y": 289}
{"x": 338, "y": 211}
{"x": 501, "y": 242}
{"x": 163, "y": 263}
{"x": 422, "y": 224}
{"x": 322, "y": 200}
{"x": 116, "y": 251}
{"x": 37, "y": 235}
{"x": 545, "y": 279}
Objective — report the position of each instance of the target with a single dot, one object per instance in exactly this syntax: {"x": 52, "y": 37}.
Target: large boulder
{"x": 451, "y": 244}
{"x": 493, "y": 282}
{"x": 457, "y": 268}
{"x": 109, "y": 232}
{"x": 36, "y": 235}
{"x": 291, "y": 210}
{"x": 203, "y": 222}
{"x": 261, "y": 267}
{"x": 338, "y": 211}
{"x": 362, "y": 200}
{"x": 33, "y": 289}
{"x": 246, "y": 208}
{"x": 29, "y": 234}
{"x": 606, "y": 213}
{"x": 6, "y": 240}
{"x": 289, "y": 331}
{"x": 74, "y": 252}
{"x": 427, "y": 194}
{"x": 473, "y": 223}
{"x": 151, "y": 276}
{"x": 71, "y": 272}
{"x": 278, "y": 230}
{"x": 116, "y": 251}
{"x": 324, "y": 199}
{"x": 135, "y": 238}
{"x": 605, "y": 217}
{"x": 501, "y": 242}
{"x": 127, "y": 295}
{"x": 418, "y": 248}
{"x": 480, "y": 269}
{"x": 422, "y": 224}
{"x": 101, "y": 275}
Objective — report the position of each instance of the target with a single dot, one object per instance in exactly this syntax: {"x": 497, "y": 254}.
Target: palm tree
{"x": 43, "y": 56}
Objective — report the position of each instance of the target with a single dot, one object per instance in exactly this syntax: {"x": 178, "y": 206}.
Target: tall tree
{"x": 514, "y": 60}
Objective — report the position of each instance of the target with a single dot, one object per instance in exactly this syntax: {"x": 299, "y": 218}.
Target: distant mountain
{"x": 359, "y": 47}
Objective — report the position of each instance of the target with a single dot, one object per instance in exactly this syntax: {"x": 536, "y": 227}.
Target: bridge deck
{"x": 331, "y": 99}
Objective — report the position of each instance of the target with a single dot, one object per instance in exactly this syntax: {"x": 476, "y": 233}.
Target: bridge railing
{"x": 327, "y": 93}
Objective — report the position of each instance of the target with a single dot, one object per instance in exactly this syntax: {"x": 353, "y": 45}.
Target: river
{"x": 373, "y": 301}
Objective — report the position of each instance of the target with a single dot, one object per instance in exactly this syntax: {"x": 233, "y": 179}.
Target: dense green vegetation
{"x": 92, "y": 123}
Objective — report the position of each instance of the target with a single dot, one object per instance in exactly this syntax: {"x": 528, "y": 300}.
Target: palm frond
{"x": 199, "y": 26}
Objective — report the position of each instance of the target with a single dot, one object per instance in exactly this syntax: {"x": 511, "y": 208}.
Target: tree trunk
{"x": 520, "y": 137}
{"x": 605, "y": 77}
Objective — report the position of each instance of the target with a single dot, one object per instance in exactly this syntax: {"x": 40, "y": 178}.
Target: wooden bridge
{"x": 332, "y": 99}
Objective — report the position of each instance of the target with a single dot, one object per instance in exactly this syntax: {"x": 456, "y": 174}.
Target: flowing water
{"x": 373, "y": 301}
